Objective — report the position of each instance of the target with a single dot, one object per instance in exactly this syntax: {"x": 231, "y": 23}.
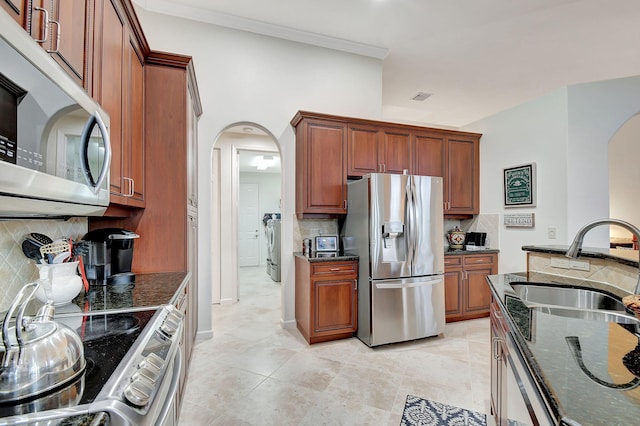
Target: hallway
{"x": 253, "y": 372}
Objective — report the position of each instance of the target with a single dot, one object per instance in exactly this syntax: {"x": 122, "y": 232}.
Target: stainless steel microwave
{"x": 54, "y": 139}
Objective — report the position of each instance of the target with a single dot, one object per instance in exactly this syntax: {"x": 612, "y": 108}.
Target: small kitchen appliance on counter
{"x": 475, "y": 240}
{"x": 107, "y": 254}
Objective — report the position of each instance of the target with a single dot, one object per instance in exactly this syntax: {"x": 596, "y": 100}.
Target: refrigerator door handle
{"x": 416, "y": 283}
{"x": 417, "y": 221}
{"x": 410, "y": 213}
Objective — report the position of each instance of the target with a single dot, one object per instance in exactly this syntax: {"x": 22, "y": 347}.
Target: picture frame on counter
{"x": 326, "y": 243}
{"x": 520, "y": 185}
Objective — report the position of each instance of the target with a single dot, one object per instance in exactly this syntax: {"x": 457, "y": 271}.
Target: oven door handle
{"x": 173, "y": 391}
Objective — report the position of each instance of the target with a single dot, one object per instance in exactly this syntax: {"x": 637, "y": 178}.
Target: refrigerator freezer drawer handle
{"x": 408, "y": 285}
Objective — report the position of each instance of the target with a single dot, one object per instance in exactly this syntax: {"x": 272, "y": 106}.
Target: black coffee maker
{"x": 107, "y": 254}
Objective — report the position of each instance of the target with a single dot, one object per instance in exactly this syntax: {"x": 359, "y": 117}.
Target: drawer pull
{"x": 334, "y": 269}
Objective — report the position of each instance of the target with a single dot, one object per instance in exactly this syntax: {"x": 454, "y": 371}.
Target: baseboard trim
{"x": 288, "y": 324}
{"x": 204, "y": 335}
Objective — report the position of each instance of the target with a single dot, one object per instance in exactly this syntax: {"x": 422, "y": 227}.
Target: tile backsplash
{"x": 16, "y": 269}
{"x": 489, "y": 223}
{"x": 309, "y": 228}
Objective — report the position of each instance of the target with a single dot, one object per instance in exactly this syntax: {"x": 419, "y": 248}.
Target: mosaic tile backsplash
{"x": 16, "y": 269}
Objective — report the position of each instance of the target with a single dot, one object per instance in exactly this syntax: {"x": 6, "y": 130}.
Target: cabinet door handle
{"x": 57, "y": 38}
{"x": 131, "y": 186}
{"x": 356, "y": 285}
{"x": 496, "y": 348}
{"x": 46, "y": 23}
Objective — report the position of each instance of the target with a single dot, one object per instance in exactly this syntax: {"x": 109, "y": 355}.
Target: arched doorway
{"x": 624, "y": 175}
{"x": 236, "y": 141}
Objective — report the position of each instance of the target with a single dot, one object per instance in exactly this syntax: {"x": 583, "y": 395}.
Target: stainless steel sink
{"x": 573, "y": 302}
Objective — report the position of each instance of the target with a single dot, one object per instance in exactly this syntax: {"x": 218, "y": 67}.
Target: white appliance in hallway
{"x": 273, "y": 249}
{"x": 395, "y": 226}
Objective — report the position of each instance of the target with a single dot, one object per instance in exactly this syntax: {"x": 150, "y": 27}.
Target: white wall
{"x": 624, "y": 175}
{"x": 532, "y": 132}
{"x": 596, "y": 112}
{"x": 245, "y": 77}
{"x": 566, "y": 133}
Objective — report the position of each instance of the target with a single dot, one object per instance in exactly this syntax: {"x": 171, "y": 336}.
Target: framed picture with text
{"x": 520, "y": 186}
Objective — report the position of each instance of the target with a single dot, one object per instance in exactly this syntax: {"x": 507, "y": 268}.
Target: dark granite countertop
{"x": 148, "y": 291}
{"x": 452, "y": 252}
{"x": 325, "y": 256}
{"x": 573, "y": 396}
{"x": 624, "y": 257}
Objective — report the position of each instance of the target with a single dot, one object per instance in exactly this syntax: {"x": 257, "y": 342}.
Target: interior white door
{"x": 249, "y": 226}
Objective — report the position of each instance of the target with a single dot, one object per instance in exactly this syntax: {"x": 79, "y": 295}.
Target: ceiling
{"x": 249, "y": 160}
{"x": 475, "y": 57}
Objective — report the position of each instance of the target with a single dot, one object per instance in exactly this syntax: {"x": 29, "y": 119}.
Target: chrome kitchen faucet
{"x": 574, "y": 249}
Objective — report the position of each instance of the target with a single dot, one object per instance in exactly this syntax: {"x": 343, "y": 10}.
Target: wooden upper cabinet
{"x": 321, "y": 181}
{"x": 378, "y": 147}
{"x": 134, "y": 124}
{"x": 63, "y": 29}
{"x": 119, "y": 88}
{"x": 462, "y": 179}
{"x": 456, "y": 158}
{"x": 16, "y": 9}
{"x": 429, "y": 154}
{"x": 395, "y": 151}
{"x": 109, "y": 77}
{"x": 363, "y": 154}
{"x": 372, "y": 149}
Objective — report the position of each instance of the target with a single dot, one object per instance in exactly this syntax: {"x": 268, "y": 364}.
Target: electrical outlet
{"x": 559, "y": 263}
{"x": 552, "y": 232}
{"x": 579, "y": 265}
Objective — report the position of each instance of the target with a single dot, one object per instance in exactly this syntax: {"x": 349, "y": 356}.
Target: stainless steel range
{"x": 131, "y": 369}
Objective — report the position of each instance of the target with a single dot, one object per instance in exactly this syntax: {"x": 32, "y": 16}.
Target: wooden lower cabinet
{"x": 466, "y": 292}
{"x": 326, "y": 299}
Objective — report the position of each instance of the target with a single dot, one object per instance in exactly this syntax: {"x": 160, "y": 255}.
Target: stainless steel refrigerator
{"x": 395, "y": 225}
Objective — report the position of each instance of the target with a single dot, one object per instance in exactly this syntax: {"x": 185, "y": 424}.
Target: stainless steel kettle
{"x": 39, "y": 353}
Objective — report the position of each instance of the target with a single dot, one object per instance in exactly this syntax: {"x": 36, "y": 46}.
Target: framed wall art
{"x": 520, "y": 186}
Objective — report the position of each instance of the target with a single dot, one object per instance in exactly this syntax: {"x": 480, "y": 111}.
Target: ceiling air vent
{"x": 421, "y": 96}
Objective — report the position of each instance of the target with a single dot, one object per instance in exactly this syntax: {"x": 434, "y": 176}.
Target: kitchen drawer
{"x": 478, "y": 260}
{"x": 334, "y": 268}
{"x": 453, "y": 261}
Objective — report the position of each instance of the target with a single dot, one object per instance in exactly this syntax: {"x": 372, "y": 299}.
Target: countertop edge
{"x": 470, "y": 252}
{"x": 527, "y": 356}
{"x": 313, "y": 257}
{"x": 616, "y": 255}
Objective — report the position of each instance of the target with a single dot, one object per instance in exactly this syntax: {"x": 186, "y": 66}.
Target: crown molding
{"x": 238, "y": 23}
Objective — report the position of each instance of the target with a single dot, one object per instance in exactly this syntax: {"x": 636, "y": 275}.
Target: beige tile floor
{"x": 253, "y": 372}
